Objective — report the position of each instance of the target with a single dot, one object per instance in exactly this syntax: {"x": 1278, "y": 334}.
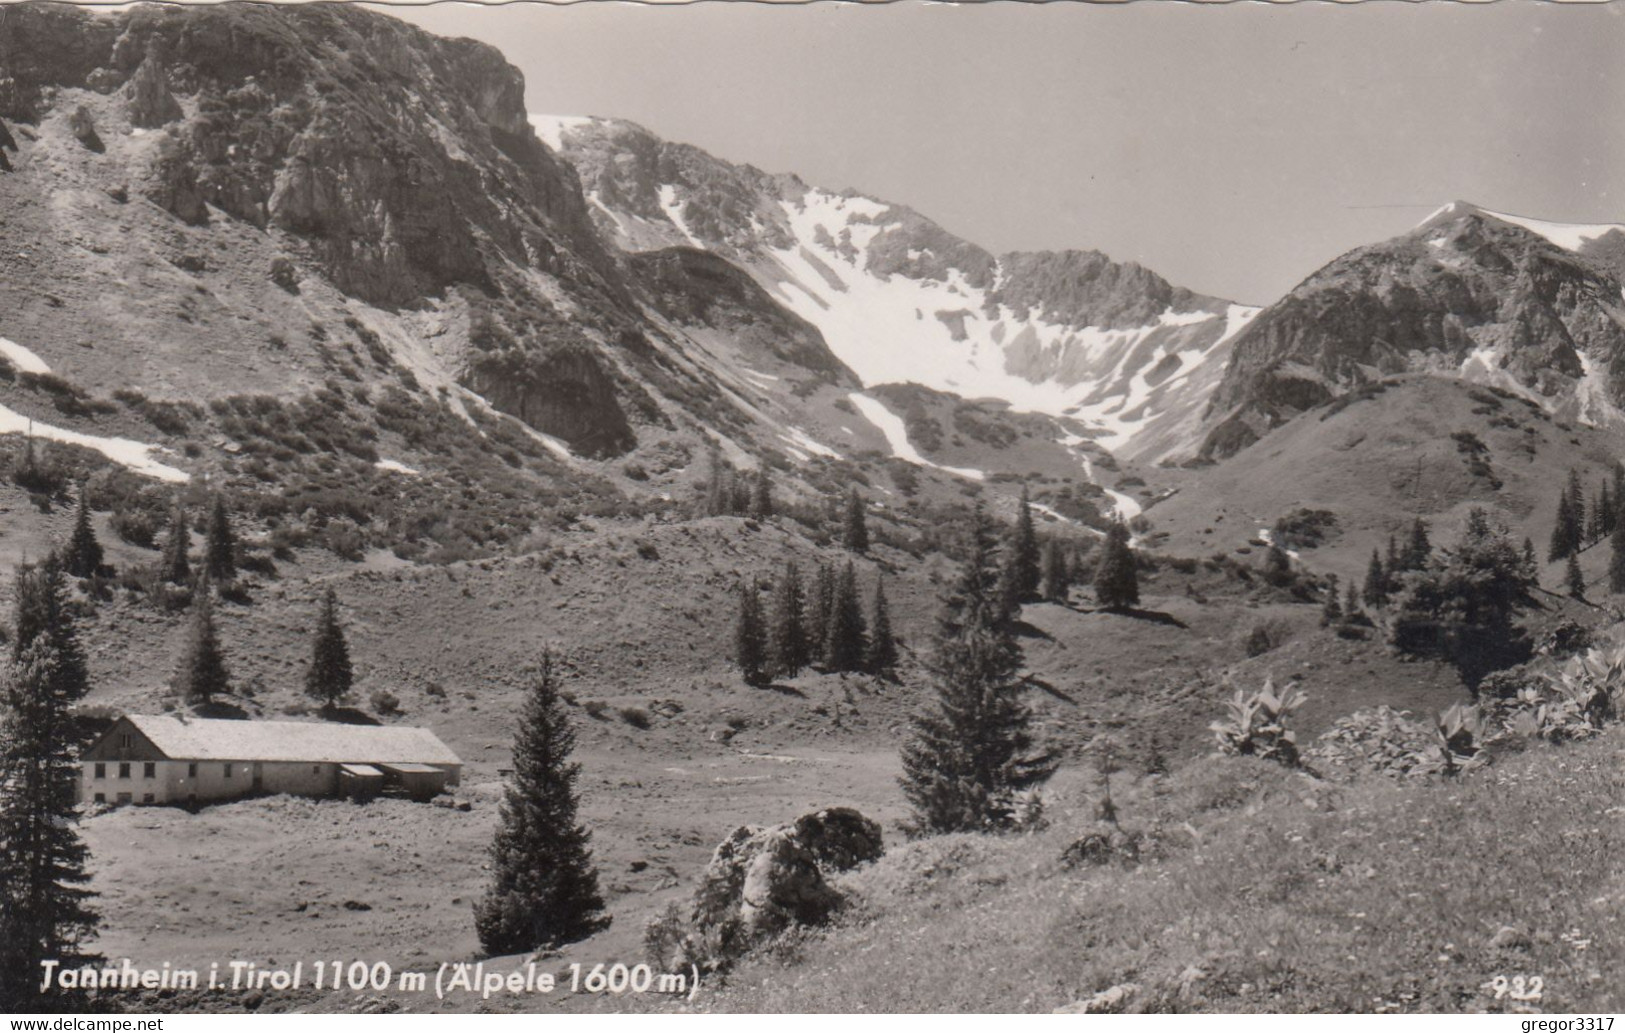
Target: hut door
{"x": 259, "y": 775}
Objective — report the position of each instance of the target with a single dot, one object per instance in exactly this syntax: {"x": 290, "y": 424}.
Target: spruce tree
{"x": 544, "y": 887}
{"x": 761, "y": 495}
{"x": 1418, "y": 548}
{"x": 45, "y": 912}
{"x": 1574, "y": 578}
{"x": 882, "y": 658}
{"x": 1052, "y": 576}
{"x": 43, "y": 615}
{"x": 820, "y": 601}
{"x": 1531, "y": 566}
{"x": 1024, "y": 552}
{"x": 750, "y": 639}
{"x": 1331, "y": 611}
{"x": 1009, "y": 585}
{"x": 1616, "y": 558}
{"x": 176, "y": 567}
{"x": 1393, "y": 564}
{"x": 854, "y": 526}
{"x": 1562, "y": 541}
{"x": 1577, "y": 508}
{"x": 846, "y": 643}
{"x": 970, "y": 748}
{"x": 1277, "y": 566}
{"x": 220, "y": 547}
{"x": 202, "y": 674}
{"x": 789, "y": 631}
{"x": 330, "y": 675}
{"x": 1601, "y": 515}
{"x": 1117, "y": 583}
{"x": 1375, "y": 589}
{"x": 1351, "y": 601}
{"x": 83, "y": 556}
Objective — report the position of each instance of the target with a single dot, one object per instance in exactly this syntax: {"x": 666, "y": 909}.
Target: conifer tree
{"x": 1117, "y": 583}
{"x": 83, "y": 556}
{"x": 1531, "y": 566}
{"x": 761, "y": 494}
{"x": 1351, "y": 601}
{"x": 1277, "y": 566}
{"x": 1574, "y": 578}
{"x": 202, "y": 674}
{"x": 970, "y": 748}
{"x": 1562, "y": 541}
{"x": 1393, "y": 564}
{"x": 1009, "y": 585}
{"x": 43, "y": 614}
{"x": 820, "y": 601}
{"x": 789, "y": 631}
{"x": 330, "y": 675}
{"x": 1053, "y": 576}
{"x": 45, "y": 911}
{"x": 1418, "y": 548}
{"x": 1616, "y": 558}
{"x": 1601, "y": 514}
{"x": 544, "y": 886}
{"x": 846, "y": 643}
{"x": 1375, "y": 589}
{"x": 882, "y": 658}
{"x": 1024, "y": 552}
{"x": 1331, "y": 611}
{"x": 220, "y": 546}
{"x": 854, "y": 526}
{"x": 176, "y": 566}
{"x": 1577, "y": 507}
{"x": 750, "y": 639}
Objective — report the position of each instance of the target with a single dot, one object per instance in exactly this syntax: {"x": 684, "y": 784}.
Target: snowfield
{"x": 891, "y": 425}
{"x": 22, "y": 358}
{"x": 133, "y": 454}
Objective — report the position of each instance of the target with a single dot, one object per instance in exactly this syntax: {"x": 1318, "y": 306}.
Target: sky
{"x": 1231, "y": 148}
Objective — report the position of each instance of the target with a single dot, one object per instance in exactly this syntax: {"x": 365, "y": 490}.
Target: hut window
{"x": 101, "y": 797}
{"x": 124, "y": 770}
{"x": 124, "y": 798}
{"x": 149, "y": 770}
{"x": 101, "y": 770}
{"x": 315, "y": 769}
{"x": 146, "y": 797}
{"x": 228, "y": 770}
{"x": 191, "y": 770}
{"x": 126, "y": 740}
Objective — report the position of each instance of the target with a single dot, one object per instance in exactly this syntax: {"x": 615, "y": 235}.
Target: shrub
{"x": 1255, "y": 725}
{"x": 637, "y": 717}
{"x": 385, "y": 703}
{"x": 136, "y": 527}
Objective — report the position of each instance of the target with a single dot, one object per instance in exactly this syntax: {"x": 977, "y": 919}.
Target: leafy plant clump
{"x": 1255, "y": 725}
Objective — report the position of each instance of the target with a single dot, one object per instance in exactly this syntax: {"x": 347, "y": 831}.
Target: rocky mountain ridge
{"x": 1531, "y": 306}
{"x": 899, "y": 299}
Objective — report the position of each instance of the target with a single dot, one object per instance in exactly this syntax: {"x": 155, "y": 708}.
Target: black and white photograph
{"x": 598, "y": 509}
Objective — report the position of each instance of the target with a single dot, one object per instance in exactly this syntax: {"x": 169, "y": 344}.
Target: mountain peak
{"x": 1570, "y": 236}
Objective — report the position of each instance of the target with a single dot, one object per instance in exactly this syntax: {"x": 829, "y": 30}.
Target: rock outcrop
{"x": 763, "y": 881}
{"x": 1465, "y": 294}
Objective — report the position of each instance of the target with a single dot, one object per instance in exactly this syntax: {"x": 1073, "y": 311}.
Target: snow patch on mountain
{"x": 135, "y": 455}
{"x": 891, "y": 328}
{"x": 891, "y": 425}
{"x": 1569, "y": 236}
{"x": 20, "y": 357}
{"x": 674, "y": 211}
{"x": 551, "y": 128}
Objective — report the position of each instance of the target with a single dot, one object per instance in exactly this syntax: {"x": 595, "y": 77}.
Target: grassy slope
{"x": 1362, "y": 462}
{"x": 1267, "y": 891}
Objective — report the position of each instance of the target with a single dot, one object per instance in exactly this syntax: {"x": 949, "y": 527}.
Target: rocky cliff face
{"x": 899, "y": 299}
{"x": 400, "y": 169}
{"x": 1468, "y": 293}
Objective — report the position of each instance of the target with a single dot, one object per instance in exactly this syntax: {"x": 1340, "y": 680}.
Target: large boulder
{"x": 761, "y": 882}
